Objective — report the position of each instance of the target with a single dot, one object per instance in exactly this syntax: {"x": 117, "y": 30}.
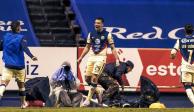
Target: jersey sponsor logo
{"x": 191, "y": 46}
{"x": 97, "y": 41}
{"x": 184, "y": 46}
{"x": 102, "y": 37}
{"x": 6, "y": 26}
{"x": 191, "y": 40}
{"x": 184, "y": 40}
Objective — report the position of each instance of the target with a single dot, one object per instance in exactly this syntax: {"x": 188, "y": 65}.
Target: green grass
{"x": 5, "y": 109}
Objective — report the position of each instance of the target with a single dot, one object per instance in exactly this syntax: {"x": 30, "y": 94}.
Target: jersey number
{"x": 190, "y": 55}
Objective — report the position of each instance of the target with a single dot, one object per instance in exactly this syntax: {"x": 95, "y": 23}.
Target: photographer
{"x": 64, "y": 87}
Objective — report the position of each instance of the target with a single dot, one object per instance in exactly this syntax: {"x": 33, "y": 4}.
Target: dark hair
{"x": 14, "y": 26}
{"x": 188, "y": 29}
{"x": 130, "y": 64}
{"x": 100, "y": 18}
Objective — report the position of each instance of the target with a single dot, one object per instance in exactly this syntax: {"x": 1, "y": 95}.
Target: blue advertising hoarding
{"x": 137, "y": 23}
{"x": 11, "y": 10}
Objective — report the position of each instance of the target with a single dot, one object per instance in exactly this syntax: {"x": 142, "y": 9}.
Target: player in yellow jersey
{"x": 97, "y": 44}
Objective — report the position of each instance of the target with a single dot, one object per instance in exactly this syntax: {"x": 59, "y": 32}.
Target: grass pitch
{"x": 15, "y": 109}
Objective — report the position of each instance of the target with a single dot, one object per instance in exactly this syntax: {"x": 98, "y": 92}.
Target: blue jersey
{"x": 186, "y": 46}
{"x": 98, "y": 41}
{"x": 13, "y": 55}
{"x": 116, "y": 72}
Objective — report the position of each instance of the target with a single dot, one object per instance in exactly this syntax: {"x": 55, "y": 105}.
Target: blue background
{"x": 137, "y": 16}
{"x": 11, "y": 10}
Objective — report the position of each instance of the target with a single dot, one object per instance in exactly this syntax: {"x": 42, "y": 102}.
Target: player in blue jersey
{"x": 14, "y": 45}
{"x": 98, "y": 41}
{"x": 186, "y": 47}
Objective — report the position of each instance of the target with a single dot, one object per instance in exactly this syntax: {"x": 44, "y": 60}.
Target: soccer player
{"x": 98, "y": 41}
{"x": 186, "y": 47}
{"x": 14, "y": 45}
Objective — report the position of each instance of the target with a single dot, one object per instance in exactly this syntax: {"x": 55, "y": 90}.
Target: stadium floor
{"x": 95, "y": 110}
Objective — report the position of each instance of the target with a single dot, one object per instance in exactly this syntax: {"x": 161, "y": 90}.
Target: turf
{"x": 3, "y": 109}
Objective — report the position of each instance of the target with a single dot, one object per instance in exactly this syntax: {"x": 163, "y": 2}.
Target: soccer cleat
{"x": 24, "y": 105}
{"x": 2, "y": 89}
{"x": 85, "y": 103}
{"x": 126, "y": 105}
{"x": 43, "y": 104}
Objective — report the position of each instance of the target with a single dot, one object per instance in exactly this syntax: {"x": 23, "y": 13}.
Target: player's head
{"x": 15, "y": 26}
{"x": 130, "y": 65}
{"x": 188, "y": 29}
{"x": 99, "y": 23}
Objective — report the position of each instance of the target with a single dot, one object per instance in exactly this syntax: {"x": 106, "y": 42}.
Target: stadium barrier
{"x": 163, "y": 71}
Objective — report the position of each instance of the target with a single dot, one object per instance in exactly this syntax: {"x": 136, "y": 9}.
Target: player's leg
{"x": 192, "y": 86}
{"x": 88, "y": 76}
{"x": 5, "y": 79}
{"x": 97, "y": 70}
{"x": 189, "y": 92}
{"x": 91, "y": 89}
{"x": 186, "y": 78}
{"x": 20, "y": 78}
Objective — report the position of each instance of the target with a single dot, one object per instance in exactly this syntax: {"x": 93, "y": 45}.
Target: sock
{"x": 98, "y": 90}
{"x": 2, "y": 89}
{"x": 190, "y": 94}
{"x": 23, "y": 99}
{"x": 22, "y": 95}
{"x": 98, "y": 93}
{"x": 90, "y": 94}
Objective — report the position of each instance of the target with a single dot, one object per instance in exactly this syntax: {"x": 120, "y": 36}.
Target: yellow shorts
{"x": 7, "y": 74}
{"x": 95, "y": 65}
{"x": 187, "y": 77}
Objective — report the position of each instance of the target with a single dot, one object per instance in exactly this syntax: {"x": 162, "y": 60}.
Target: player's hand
{"x": 173, "y": 53}
{"x": 34, "y": 58}
{"x": 172, "y": 56}
{"x": 79, "y": 60}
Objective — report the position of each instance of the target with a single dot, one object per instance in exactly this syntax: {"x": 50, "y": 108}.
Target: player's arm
{"x": 175, "y": 50}
{"x": 114, "y": 53}
{"x": 86, "y": 49}
{"x": 26, "y": 50}
{"x": 118, "y": 75}
{"x": 120, "y": 81}
{"x": 113, "y": 49}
